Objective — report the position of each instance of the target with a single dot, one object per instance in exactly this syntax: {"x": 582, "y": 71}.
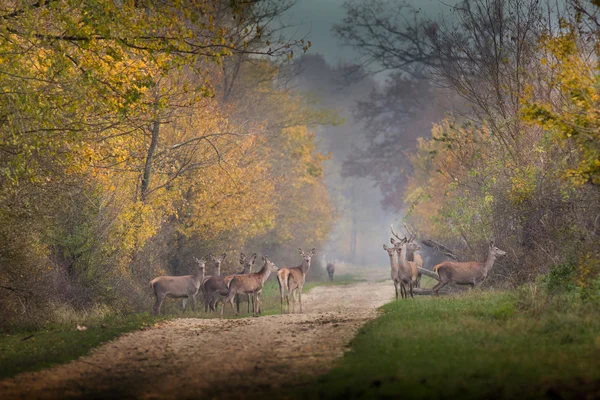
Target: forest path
{"x": 214, "y": 358}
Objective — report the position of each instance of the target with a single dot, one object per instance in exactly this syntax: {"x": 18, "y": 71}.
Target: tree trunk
{"x": 429, "y": 273}
{"x": 149, "y": 160}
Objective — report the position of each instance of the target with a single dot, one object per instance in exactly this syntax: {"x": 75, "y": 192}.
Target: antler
{"x": 395, "y": 234}
{"x": 410, "y": 232}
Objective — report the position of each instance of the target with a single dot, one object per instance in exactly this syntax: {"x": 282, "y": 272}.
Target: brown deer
{"x": 249, "y": 284}
{"x": 407, "y": 271}
{"x": 466, "y": 273}
{"x": 214, "y": 284}
{"x": 412, "y": 255}
{"x": 292, "y": 279}
{"x": 395, "y": 269}
{"x": 185, "y": 287}
{"x": 247, "y": 263}
{"x": 330, "y": 270}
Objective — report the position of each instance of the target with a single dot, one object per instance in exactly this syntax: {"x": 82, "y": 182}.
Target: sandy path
{"x": 212, "y": 358}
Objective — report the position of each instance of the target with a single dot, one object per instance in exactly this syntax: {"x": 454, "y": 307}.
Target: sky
{"x": 315, "y": 18}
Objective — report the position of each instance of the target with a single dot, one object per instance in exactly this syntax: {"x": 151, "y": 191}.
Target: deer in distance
{"x": 395, "y": 271}
{"x": 292, "y": 280}
{"x": 466, "y": 273}
{"x": 330, "y": 270}
{"x": 214, "y": 285}
{"x": 412, "y": 255}
{"x": 249, "y": 284}
{"x": 407, "y": 270}
{"x": 247, "y": 263}
{"x": 185, "y": 287}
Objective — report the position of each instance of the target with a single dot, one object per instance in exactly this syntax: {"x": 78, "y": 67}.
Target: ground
{"x": 208, "y": 358}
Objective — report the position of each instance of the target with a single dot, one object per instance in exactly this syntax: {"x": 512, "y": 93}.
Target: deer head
{"x": 496, "y": 251}
{"x": 218, "y": 260}
{"x": 247, "y": 262}
{"x": 307, "y": 256}
{"x": 201, "y": 262}
{"x": 269, "y": 263}
{"x": 390, "y": 250}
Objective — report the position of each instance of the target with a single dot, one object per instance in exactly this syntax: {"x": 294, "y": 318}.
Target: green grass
{"x": 476, "y": 345}
{"x": 32, "y": 351}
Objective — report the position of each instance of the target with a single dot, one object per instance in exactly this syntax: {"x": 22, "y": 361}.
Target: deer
{"x": 330, "y": 270}
{"x": 213, "y": 283}
{"x": 395, "y": 270}
{"x": 185, "y": 287}
{"x": 248, "y": 264}
{"x": 249, "y": 284}
{"x": 411, "y": 256}
{"x": 292, "y": 279}
{"x": 407, "y": 271}
{"x": 466, "y": 273}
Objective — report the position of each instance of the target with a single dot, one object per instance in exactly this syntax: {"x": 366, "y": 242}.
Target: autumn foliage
{"x": 136, "y": 135}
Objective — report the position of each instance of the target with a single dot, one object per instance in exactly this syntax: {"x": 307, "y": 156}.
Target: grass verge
{"x": 476, "y": 345}
{"x": 32, "y": 351}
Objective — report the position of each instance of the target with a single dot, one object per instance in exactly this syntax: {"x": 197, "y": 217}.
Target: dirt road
{"x": 212, "y": 358}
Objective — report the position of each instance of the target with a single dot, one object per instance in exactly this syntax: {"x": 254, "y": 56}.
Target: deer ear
{"x": 313, "y": 251}
{"x": 253, "y": 257}
{"x": 491, "y": 243}
{"x": 300, "y": 251}
{"x": 385, "y": 247}
{"x": 223, "y": 256}
{"x": 392, "y": 241}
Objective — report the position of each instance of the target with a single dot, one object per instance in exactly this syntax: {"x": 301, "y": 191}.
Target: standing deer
{"x": 407, "y": 271}
{"x": 213, "y": 284}
{"x": 330, "y": 270}
{"x": 185, "y": 287}
{"x": 292, "y": 279}
{"x": 248, "y": 264}
{"x": 395, "y": 270}
{"x": 249, "y": 284}
{"x": 466, "y": 273}
{"x": 412, "y": 255}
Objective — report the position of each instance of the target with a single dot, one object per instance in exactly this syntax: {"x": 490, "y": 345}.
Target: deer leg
{"x": 193, "y": 303}
{"x": 255, "y": 304}
{"x": 291, "y": 293}
{"x": 440, "y": 285}
{"x": 184, "y": 303}
{"x": 410, "y": 286}
{"x": 418, "y": 285}
{"x": 214, "y": 302}
{"x": 300, "y": 296}
{"x": 206, "y": 301}
{"x": 159, "y": 300}
{"x": 237, "y": 302}
{"x": 396, "y": 287}
{"x": 287, "y": 299}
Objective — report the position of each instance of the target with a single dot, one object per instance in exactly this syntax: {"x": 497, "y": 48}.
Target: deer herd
{"x": 407, "y": 266}
{"x": 227, "y": 288}
{"x": 405, "y": 262}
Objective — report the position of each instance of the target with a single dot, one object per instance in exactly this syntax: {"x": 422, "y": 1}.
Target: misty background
{"x": 341, "y": 79}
